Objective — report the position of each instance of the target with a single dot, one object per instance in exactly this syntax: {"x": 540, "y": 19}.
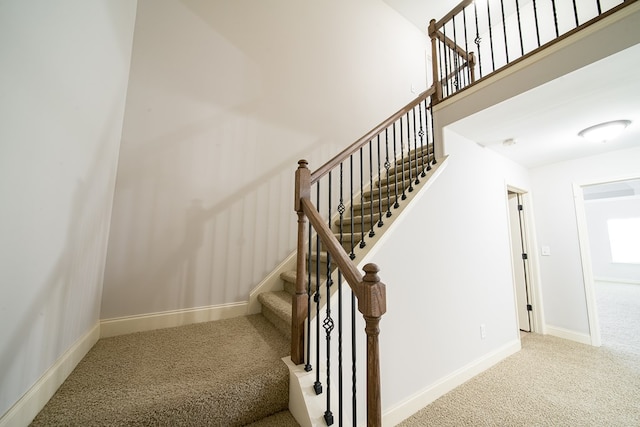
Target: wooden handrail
{"x": 324, "y": 169}
{"x": 451, "y": 14}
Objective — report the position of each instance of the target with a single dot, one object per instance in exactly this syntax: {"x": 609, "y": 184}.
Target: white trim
{"x": 271, "y": 283}
{"x": 169, "y": 319}
{"x": 569, "y": 335}
{"x": 587, "y": 266}
{"x": 421, "y": 399}
{"x": 616, "y": 280}
{"x": 28, "y": 406}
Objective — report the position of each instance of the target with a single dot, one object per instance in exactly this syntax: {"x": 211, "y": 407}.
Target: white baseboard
{"x": 26, "y": 409}
{"x": 413, "y": 404}
{"x": 271, "y": 283}
{"x": 169, "y": 319}
{"x": 568, "y": 334}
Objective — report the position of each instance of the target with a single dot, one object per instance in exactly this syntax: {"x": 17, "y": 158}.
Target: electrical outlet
{"x": 483, "y": 331}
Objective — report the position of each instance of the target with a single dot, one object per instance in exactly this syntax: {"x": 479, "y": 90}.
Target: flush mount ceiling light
{"x": 604, "y": 131}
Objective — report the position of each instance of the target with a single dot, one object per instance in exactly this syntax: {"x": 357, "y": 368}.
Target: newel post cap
{"x": 372, "y": 301}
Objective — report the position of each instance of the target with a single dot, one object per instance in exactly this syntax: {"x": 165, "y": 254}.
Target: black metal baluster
{"x": 380, "y": 214}
{"x": 456, "y": 70}
{"x": 535, "y": 18}
{"x": 433, "y": 138}
{"x": 421, "y": 133}
{"x": 362, "y": 242}
{"x": 371, "y": 231}
{"x": 555, "y": 17}
{"x": 408, "y": 157}
{"x": 493, "y": 61}
{"x": 387, "y": 166}
{"x": 415, "y": 147}
{"x": 575, "y": 13}
{"x": 404, "y": 196}
{"x": 599, "y": 7}
{"x": 466, "y": 45}
{"x": 327, "y": 324}
{"x": 447, "y": 53}
{"x": 519, "y": 28}
{"x": 317, "y": 385}
{"x": 504, "y": 31}
{"x": 341, "y": 210}
{"x": 396, "y": 205}
{"x": 477, "y": 40}
{"x": 352, "y": 254}
{"x": 308, "y": 367}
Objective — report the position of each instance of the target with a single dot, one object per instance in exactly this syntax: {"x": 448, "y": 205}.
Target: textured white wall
{"x": 64, "y": 76}
{"x": 561, "y": 272}
{"x": 224, "y": 98}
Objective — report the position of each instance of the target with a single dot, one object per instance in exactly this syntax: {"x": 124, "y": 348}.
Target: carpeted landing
{"x": 223, "y": 373}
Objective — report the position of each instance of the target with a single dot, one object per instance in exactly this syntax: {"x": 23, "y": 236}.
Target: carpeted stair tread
{"x": 281, "y": 419}
{"x": 223, "y": 373}
{"x": 276, "y": 307}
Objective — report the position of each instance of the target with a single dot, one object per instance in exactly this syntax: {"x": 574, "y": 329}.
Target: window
{"x": 624, "y": 236}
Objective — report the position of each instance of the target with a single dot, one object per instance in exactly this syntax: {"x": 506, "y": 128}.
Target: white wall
{"x": 598, "y": 212}
{"x": 447, "y": 267}
{"x": 64, "y": 77}
{"x": 561, "y": 272}
{"x": 224, "y": 98}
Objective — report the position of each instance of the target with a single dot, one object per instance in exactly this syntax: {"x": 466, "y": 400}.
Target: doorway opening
{"x": 608, "y": 215}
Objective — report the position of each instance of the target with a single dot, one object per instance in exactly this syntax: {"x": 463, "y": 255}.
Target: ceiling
{"x": 545, "y": 121}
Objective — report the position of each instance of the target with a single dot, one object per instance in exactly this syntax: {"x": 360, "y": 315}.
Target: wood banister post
{"x": 437, "y": 97}
{"x": 372, "y": 303}
{"x": 299, "y": 300}
{"x": 472, "y": 66}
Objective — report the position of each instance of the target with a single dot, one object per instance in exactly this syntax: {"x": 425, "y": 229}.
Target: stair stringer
{"x": 304, "y": 404}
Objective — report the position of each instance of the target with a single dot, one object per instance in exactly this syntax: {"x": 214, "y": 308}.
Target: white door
{"x": 519, "y": 261}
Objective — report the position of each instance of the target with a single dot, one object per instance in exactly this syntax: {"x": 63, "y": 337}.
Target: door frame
{"x": 533, "y": 272}
{"x": 585, "y": 254}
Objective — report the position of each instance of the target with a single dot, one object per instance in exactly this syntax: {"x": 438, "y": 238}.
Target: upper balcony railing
{"x": 479, "y": 37}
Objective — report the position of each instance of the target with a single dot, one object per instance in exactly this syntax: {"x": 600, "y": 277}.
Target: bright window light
{"x": 624, "y": 236}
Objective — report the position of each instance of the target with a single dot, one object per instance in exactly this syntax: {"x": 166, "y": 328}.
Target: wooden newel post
{"x": 434, "y": 62}
{"x": 299, "y": 300}
{"x": 372, "y": 303}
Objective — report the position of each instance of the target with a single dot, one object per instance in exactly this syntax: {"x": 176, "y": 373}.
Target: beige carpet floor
{"x": 555, "y": 382}
{"x": 223, "y": 373}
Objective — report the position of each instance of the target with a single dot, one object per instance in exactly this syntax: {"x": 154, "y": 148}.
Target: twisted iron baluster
{"x": 466, "y": 44}
{"x": 317, "y": 385}
{"x": 555, "y": 17}
{"x": 327, "y": 324}
{"x": 308, "y": 367}
{"x": 478, "y": 40}
{"x": 433, "y": 138}
{"x": 421, "y": 134}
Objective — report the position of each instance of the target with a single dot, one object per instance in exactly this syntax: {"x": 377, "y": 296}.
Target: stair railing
{"x": 475, "y": 39}
{"x": 354, "y": 193}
